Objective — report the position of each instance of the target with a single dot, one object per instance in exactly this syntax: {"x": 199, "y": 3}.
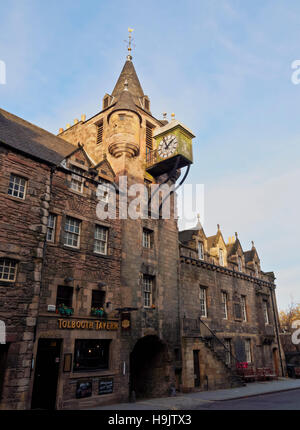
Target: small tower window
{"x": 100, "y": 133}
{"x": 221, "y": 257}
{"x": 240, "y": 264}
{"x": 147, "y": 104}
{"x": 149, "y": 138}
{"x": 200, "y": 251}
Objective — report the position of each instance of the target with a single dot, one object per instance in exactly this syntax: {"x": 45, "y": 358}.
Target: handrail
{"x": 219, "y": 340}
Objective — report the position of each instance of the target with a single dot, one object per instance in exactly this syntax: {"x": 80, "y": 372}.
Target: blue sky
{"x": 224, "y": 68}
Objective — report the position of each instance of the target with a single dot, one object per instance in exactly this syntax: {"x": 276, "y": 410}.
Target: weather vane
{"x": 129, "y": 43}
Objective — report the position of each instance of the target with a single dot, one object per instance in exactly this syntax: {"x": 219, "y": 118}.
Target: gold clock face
{"x": 167, "y": 146}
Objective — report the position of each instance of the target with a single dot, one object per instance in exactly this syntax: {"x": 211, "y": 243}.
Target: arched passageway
{"x": 150, "y": 368}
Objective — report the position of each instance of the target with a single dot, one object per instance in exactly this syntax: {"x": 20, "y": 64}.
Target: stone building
{"x": 96, "y": 309}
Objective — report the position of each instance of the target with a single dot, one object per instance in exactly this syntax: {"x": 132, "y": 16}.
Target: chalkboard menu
{"x": 105, "y": 386}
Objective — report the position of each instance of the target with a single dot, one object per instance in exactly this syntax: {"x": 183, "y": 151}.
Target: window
{"x": 17, "y": 186}
{"x": 200, "y": 251}
{"x": 248, "y": 350}
{"x": 76, "y": 180}
{"x": 103, "y": 191}
{"x": 265, "y": 310}
{"x": 91, "y": 354}
{"x": 147, "y": 290}
{"x": 147, "y": 238}
{"x": 237, "y": 311}
{"x": 203, "y": 309}
{"x": 240, "y": 267}
{"x": 100, "y": 131}
{"x": 256, "y": 270}
{"x": 149, "y": 138}
{"x": 221, "y": 257}
{"x": 244, "y": 308}
{"x": 98, "y": 299}
{"x": 224, "y": 306}
{"x": 51, "y": 228}
{"x": 64, "y": 296}
{"x": 72, "y": 232}
{"x": 227, "y": 343}
{"x": 8, "y": 269}
{"x": 100, "y": 240}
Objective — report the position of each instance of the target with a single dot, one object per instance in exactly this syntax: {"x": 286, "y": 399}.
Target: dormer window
{"x": 200, "y": 251}
{"x": 221, "y": 257}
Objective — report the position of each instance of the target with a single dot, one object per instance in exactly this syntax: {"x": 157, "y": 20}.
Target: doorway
{"x": 3, "y": 361}
{"x": 196, "y": 368}
{"x": 46, "y": 374}
{"x": 150, "y": 368}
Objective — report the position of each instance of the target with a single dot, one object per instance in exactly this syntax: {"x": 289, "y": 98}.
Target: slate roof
{"x": 32, "y": 140}
{"x": 128, "y": 73}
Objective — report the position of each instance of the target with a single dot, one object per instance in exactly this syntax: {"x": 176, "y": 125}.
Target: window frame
{"x": 59, "y": 298}
{"x": 221, "y": 257}
{"x": 147, "y": 240}
{"x": 248, "y": 352}
{"x": 244, "y": 308}
{"x": 200, "y": 254}
{"x": 97, "y": 240}
{"x": 148, "y": 282}
{"x": 266, "y": 312}
{"x": 203, "y": 302}
{"x": 12, "y": 178}
{"x": 74, "y": 178}
{"x": 228, "y": 351}
{"x": 51, "y": 228}
{"x": 66, "y": 232}
{"x": 12, "y": 262}
{"x": 224, "y": 305}
{"x": 84, "y": 342}
{"x": 240, "y": 264}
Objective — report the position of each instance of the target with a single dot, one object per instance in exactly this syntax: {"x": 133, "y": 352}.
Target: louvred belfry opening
{"x": 100, "y": 133}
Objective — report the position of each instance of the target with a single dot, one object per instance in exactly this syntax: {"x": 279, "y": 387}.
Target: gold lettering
{"x": 69, "y": 324}
{"x": 59, "y": 323}
{"x": 77, "y": 324}
{"x": 73, "y": 324}
{"x": 91, "y": 325}
{"x": 64, "y": 324}
{"x": 82, "y": 324}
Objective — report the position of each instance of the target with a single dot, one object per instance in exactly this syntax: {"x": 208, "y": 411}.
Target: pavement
{"x": 190, "y": 401}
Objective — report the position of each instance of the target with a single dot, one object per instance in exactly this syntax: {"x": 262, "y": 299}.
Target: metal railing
{"x": 198, "y": 328}
{"x": 151, "y": 157}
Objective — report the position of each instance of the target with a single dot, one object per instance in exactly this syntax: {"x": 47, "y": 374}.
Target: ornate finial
{"x": 173, "y": 115}
{"x": 236, "y": 235}
{"x": 198, "y": 216}
{"x": 165, "y": 115}
{"x": 129, "y": 48}
{"x": 126, "y": 85}
{"x": 252, "y": 243}
{"x": 218, "y": 225}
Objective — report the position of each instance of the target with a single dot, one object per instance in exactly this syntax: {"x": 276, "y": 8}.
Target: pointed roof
{"x": 128, "y": 74}
{"x": 187, "y": 235}
{"x": 125, "y": 102}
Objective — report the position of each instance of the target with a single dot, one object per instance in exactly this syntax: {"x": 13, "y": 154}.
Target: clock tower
{"x": 127, "y": 137}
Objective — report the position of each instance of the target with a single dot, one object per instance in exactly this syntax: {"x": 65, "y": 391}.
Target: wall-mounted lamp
{"x": 101, "y": 284}
{"x": 68, "y": 279}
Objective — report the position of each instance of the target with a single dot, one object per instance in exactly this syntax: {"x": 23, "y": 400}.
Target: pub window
{"x": 51, "y": 228}
{"x": 248, "y": 350}
{"x": 8, "y": 269}
{"x": 98, "y": 299}
{"x": 91, "y": 354}
{"x": 224, "y": 306}
{"x": 200, "y": 251}
{"x": 147, "y": 238}
{"x": 72, "y": 232}
{"x": 100, "y": 133}
{"x": 17, "y": 186}
{"x": 77, "y": 179}
{"x": 100, "y": 240}
{"x": 202, "y": 296}
{"x": 64, "y": 296}
{"x": 147, "y": 290}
